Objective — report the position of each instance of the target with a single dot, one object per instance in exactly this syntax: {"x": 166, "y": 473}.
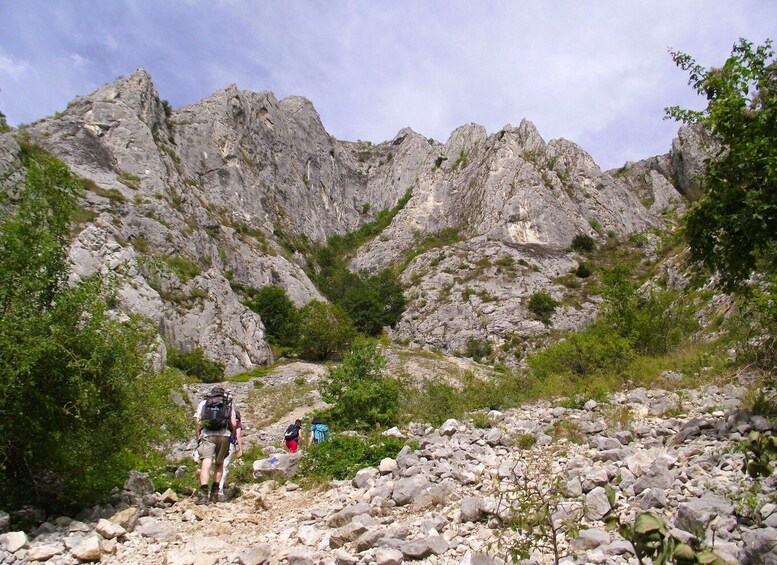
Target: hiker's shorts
{"x": 214, "y": 447}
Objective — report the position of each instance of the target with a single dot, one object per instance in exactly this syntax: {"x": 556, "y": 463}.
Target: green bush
{"x": 542, "y": 305}
{"x": 436, "y": 402}
{"x": 654, "y": 323}
{"x": 342, "y": 456}
{"x": 732, "y": 228}
{"x": 182, "y": 267}
{"x": 583, "y": 243}
{"x": 362, "y": 396}
{"x": 478, "y": 348}
{"x": 431, "y": 402}
{"x": 81, "y": 403}
{"x": 325, "y": 331}
{"x": 594, "y": 351}
{"x": 195, "y": 364}
{"x": 278, "y": 313}
{"x": 373, "y": 301}
{"x": 583, "y": 270}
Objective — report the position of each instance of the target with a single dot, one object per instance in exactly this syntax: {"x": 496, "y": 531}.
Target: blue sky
{"x": 597, "y": 73}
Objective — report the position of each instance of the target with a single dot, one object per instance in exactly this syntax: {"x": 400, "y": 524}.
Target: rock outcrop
{"x": 238, "y": 186}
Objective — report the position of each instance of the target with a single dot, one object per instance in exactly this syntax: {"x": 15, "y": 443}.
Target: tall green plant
{"x": 195, "y": 364}
{"x": 363, "y": 397}
{"x": 733, "y": 227}
{"x": 278, "y": 313}
{"x": 80, "y": 400}
{"x": 325, "y": 331}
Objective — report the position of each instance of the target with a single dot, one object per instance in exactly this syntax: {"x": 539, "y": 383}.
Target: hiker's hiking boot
{"x": 202, "y": 497}
{"x": 214, "y": 496}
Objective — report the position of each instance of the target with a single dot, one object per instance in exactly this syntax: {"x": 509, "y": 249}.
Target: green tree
{"x": 374, "y": 301}
{"x": 195, "y": 364}
{"x": 733, "y": 227}
{"x": 325, "y": 331}
{"x": 80, "y": 400}
{"x": 278, "y": 313}
{"x": 362, "y": 396}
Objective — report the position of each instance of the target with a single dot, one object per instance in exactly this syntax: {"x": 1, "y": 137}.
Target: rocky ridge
{"x": 449, "y": 500}
{"x": 237, "y": 184}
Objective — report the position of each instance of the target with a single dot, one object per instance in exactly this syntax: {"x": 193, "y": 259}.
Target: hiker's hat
{"x": 217, "y": 390}
{"x": 316, "y": 420}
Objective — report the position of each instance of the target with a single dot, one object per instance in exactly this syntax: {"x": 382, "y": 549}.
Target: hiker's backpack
{"x": 320, "y": 433}
{"x": 216, "y": 412}
{"x": 292, "y": 433}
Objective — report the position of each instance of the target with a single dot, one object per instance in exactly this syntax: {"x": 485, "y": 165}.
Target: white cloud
{"x": 12, "y": 67}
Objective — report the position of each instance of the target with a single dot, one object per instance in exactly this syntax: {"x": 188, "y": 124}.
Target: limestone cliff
{"x": 232, "y": 187}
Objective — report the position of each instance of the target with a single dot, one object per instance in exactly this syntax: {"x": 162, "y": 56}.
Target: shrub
{"x": 81, "y": 402}
{"x": 583, "y": 243}
{"x": 195, "y": 364}
{"x": 278, "y": 313}
{"x": 325, "y": 331}
{"x": 542, "y": 305}
{"x": 362, "y": 396}
{"x": 432, "y": 402}
{"x": 373, "y": 301}
{"x": 182, "y": 267}
{"x": 596, "y": 350}
{"x": 530, "y": 506}
{"x": 654, "y": 324}
{"x": 478, "y": 348}
{"x": 583, "y": 271}
{"x": 524, "y": 441}
{"x": 342, "y": 456}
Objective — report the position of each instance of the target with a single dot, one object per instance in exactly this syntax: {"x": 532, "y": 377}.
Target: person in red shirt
{"x": 291, "y": 436}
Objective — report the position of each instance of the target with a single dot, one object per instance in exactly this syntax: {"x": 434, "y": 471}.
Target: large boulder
{"x": 277, "y": 466}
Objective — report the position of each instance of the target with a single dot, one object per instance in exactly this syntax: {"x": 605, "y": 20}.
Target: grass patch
{"x": 273, "y": 404}
{"x": 129, "y": 180}
{"x": 112, "y": 194}
{"x": 566, "y": 430}
{"x": 342, "y": 456}
{"x": 182, "y": 267}
{"x": 256, "y": 373}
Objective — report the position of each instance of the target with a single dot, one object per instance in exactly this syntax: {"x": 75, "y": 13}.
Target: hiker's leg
{"x": 227, "y": 461}
{"x": 222, "y": 444}
{"x": 205, "y": 471}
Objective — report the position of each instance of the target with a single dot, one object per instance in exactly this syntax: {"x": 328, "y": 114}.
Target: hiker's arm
{"x": 239, "y": 436}
{"x": 197, "y": 428}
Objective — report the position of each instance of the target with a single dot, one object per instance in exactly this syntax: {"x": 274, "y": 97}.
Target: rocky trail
{"x": 450, "y": 500}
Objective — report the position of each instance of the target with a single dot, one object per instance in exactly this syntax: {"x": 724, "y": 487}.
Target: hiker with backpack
{"x": 319, "y": 431}
{"x": 235, "y": 448}
{"x": 215, "y": 418}
{"x": 291, "y": 436}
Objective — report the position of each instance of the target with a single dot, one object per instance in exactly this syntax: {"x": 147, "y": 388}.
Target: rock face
{"x": 188, "y": 203}
{"x": 451, "y": 500}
